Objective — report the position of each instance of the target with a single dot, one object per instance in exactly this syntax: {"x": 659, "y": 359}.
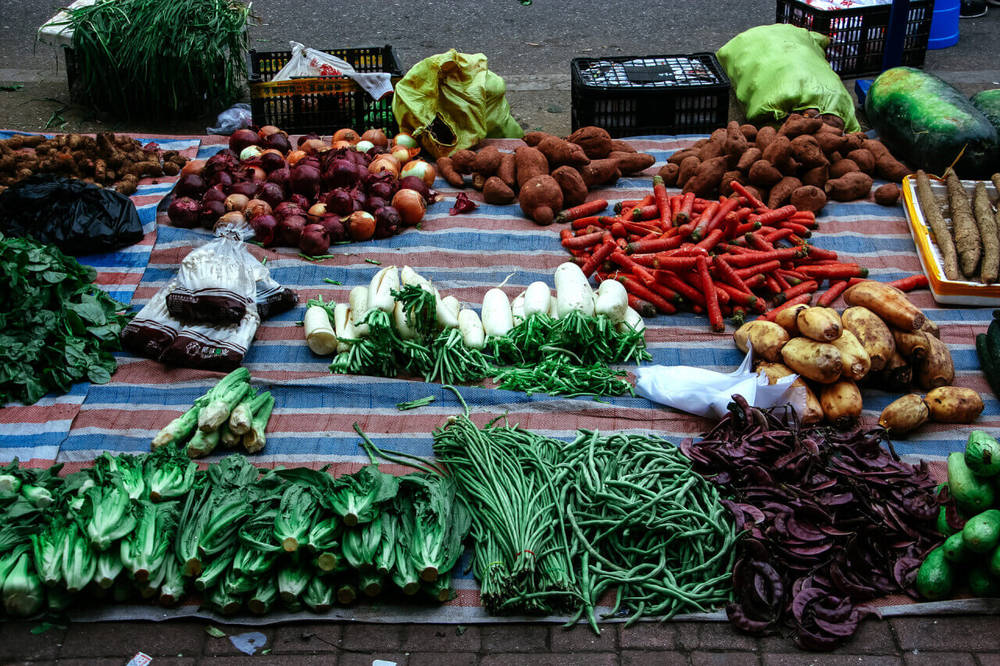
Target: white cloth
{"x": 310, "y": 62}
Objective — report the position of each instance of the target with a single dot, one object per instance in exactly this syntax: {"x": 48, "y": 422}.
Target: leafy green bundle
{"x": 56, "y": 326}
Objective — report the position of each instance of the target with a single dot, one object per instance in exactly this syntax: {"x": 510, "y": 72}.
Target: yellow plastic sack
{"x": 451, "y": 101}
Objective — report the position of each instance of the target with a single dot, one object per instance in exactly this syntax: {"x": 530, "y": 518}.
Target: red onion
{"x": 222, "y": 178}
{"x": 300, "y": 201}
{"x": 184, "y": 212}
{"x": 387, "y": 222}
{"x": 339, "y": 201}
{"x": 213, "y": 194}
{"x": 286, "y": 208}
{"x": 306, "y": 137}
{"x": 279, "y": 142}
{"x": 414, "y": 183}
{"x": 334, "y": 228}
{"x": 254, "y": 173}
{"x": 374, "y": 203}
{"x": 243, "y": 138}
{"x": 314, "y": 240}
{"x": 272, "y": 193}
{"x": 380, "y": 188}
{"x": 305, "y": 179}
{"x": 341, "y": 173}
{"x": 289, "y": 230}
{"x": 247, "y": 188}
{"x": 224, "y": 160}
{"x": 190, "y": 185}
{"x": 271, "y": 161}
{"x": 264, "y": 227}
{"x": 210, "y": 212}
{"x": 280, "y": 176}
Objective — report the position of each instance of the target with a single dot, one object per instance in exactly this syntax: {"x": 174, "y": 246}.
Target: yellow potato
{"x": 766, "y": 338}
{"x": 819, "y": 361}
{"x": 775, "y": 371}
{"x": 887, "y": 302}
{"x": 953, "y": 404}
{"x": 937, "y": 369}
{"x": 905, "y": 414}
{"x": 841, "y": 402}
{"x": 911, "y": 345}
{"x": 786, "y": 319}
{"x": 856, "y": 361}
{"x": 820, "y": 324}
{"x": 872, "y": 333}
{"x": 930, "y": 328}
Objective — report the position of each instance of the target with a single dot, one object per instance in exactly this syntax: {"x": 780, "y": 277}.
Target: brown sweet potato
{"x": 764, "y": 174}
{"x": 541, "y": 199}
{"x": 707, "y": 177}
{"x": 765, "y": 135}
{"x": 749, "y": 131}
{"x": 622, "y": 146}
{"x": 854, "y": 141}
{"x": 463, "y": 161}
{"x": 668, "y": 172}
{"x": 891, "y": 169}
{"x": 887, "y": 195}
{"x": 688, "y": 167}
{"x": 747, "y": 159}
{"x": 534, "y": 138}
{"x": 446, "y": 169}
{"x": 843, "y": 167}
{"x": 781, "y": 192}
{"x": 778, "y": 152}
{"x": 807, "y": 150}
{"x": 864, "y": 159}
{"x": 571, "y": 183}
{"x": 599, "y": 172}
{"x": 736, "y": 143}
{"x": 817, "y": 176}
{"x": 849, "y": 187}
{"x": 875, "y": 147}
{"x": 796, "y": 124}
{"x": 530, "y": 162}
{"x": 811, "y": 112}
{"x": 808, "y": 197}
{"x": 681, "y": 155}
{"x": 495, "y": 191}
{"x": 629, "y": 163}
{"x": 829, "y": 141}
{"x": 487, "y": 161}
{"x": 713, "y": 148}
{"x": 832, "y": 120}
{"x": 559, "y": 151}
{"x": 507, "y": 171}
{"x": 726, "y": 184}
{"x": 595, "y": 141}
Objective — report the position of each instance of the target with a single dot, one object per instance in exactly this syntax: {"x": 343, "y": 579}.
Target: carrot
{"x": 772, "y": 284}
{"x": 854, "y": 281}
{"x": 687, "y": 250}
{"x": 684, "y": 214}
{"x": 583, "y": 210}
{"x": 757, "y": 242}
{"x": 673, "y": 263}
{"x": 622, "y": 260}
{"x": 831, "y": 294}
{"x": 599, "y": 255}
{"x": 584, "y": 222}
{"x": 585, "y": 241}
{"x": 799, "y": 289}
{"x": 797, "y": 228}
{"x": 721, "y": 296}
{"x": 781, "y": 254}
{"x": 644, "y": 213}
{"x": 778, "y": 234}
{"x": 711, "y": 297}
{"x": 711, "y": 239}
{"x": 727, "y": 274}
{"x": 655, "y": 244}
{"x": 662, "y": 201}
{"x": 751, "y": 199}
{"x": 917, "y": 281}
{"x": 762, "y": 268}
{"x": 780, "y": 279}
{"x": 727, "y": 207}
{"x": 670, "y": 279}
{"x": 633, "y": 287}
{"x": 643, "y": 307}
{"x": 744, "y": 228}
{"x": 618, "y": 229}
{"x": 741, "y": 297}
{"x": 754, "y": 281}
{"x": 833, "y": 271}
{"x": 775, "y": 215}
{"x": 819, "y": 253}
{"x": 804, "y": 299}
{"x": 792, "y": 277}
{"x": 703, "y": 220}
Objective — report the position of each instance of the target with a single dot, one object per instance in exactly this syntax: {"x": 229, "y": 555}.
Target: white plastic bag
{"x": 707, "y": 393}
{"x": 310, "y": 62}
{"x": 238, "y": 116}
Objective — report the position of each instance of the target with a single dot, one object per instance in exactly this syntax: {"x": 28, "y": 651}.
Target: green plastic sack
{"x": 451, "y": 101}
{"x": 779, "y": 69}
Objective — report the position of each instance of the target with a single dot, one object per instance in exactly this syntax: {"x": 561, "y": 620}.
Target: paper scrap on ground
{"x": 708, "y": 393}
{"x": 140, "y": 659}
{"x": 383, "y": 662}
{"x": 249, "y": 642}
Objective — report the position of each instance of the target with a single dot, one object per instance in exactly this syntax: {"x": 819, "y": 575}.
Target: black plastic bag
{"x": 76, "y": 217}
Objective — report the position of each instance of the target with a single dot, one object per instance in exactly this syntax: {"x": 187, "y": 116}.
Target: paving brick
{"x": 659, "y": 658}
{"x": 318, "y": 637}
{"x": 515, "y": 637}
{"x": 222, "y": 647}
{"x": 441, "y": 638}
{"x": 371, "y": 637}
{"x": 17, "y": 642}
{"x": 810, "y": 659}
{"x": 159, "y": 661}
{"x": 578, "y": 659}
{"x": 873, "y": 637}
{"x": 991, "y": 659}
{"x": 118, "y": 639}
{"x": 920, "y": 658}
{"x": 359, "y": 659}
{"x": 711, "y": 636}
{"x": 582, "y": 638}
{"x": 649, "y": 636}
{"x": 272, "y": 660}
{"x": 443, "y": 659}
{"x": 968, "y": 633}
{"x": 724, "y": 659}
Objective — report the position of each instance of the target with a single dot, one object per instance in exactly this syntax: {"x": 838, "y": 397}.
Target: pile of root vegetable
{"x": 107, "y": 159}
{"x": 833, "y": 520}
{"x": 806, "y": 161}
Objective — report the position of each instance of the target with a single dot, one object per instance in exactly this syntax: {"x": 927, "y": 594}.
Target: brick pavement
{"x": 934, "y": 641}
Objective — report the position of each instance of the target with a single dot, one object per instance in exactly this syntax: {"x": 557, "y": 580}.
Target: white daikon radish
{"x": 537, "y": 298}
{"x": 632, "y": 319}
{"x": 343, "y": 326}
{"x": 320, "y": 335}
{"x": 381, "y": 287}
{"x": 498, "y": 318}
{"x": 553, "y": 309}
{"x": 360, "y": 304}
{"x": 573, "y": 292}
{"x": 409, "y": 276}
{"x": 611, "y": 300}
{"x": 402, "y": 323}
{"x": 446, "y": 310}
{"x": 517, "y": 308}
{"x": 473, "y": 334}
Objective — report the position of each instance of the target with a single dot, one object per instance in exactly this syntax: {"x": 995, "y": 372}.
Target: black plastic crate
{"x": 857, "y": 35}
{"x": 322, "y": 104}
{"x": 635, "y": 95}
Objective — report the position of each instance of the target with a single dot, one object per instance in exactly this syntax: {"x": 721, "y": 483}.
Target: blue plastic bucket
{"x": 944, "y": 24}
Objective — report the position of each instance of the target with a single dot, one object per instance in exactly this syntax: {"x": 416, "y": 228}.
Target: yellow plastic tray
{"x": 952, "y": 292}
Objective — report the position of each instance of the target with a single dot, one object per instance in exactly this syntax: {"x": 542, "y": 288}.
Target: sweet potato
{"x": 849, "y": 187}
{"x": 764, "y": 174}
{"x": 818, "y": 361}
{"x": 778, "y": 152}
{"x": 887, "y": 195}
{"x": 726, "y": 184}
{"x": 541, "y": 199}
{"x": 766, "y": 338}
{"x": 813, "y": 410}
{"x": 953, "y": 404}
{"x": 681, "y": 155}
{"x": 904, "y": 414}
{"x": 622, "y": 146}
{"x": 535, "y": 138}
{"x": 529, "y": 162}
{"x": 807, "y": 151}
{"x": 688, "y": 167}
{"x": 796, "y": 124}
{"x": 629, "y": 163}
{"x": 571, "y": 183}
{"x": 872, "y": 333}
{"x": 749, "y": 131}
{"x": 819, "y": 323}
{"x": 864, "y": 159}
{"x": 843, "y": 167}
{"x": 495, "y": 191}
{"x": 891, "y": 169}
{"x": 507, "y": 171}
{"x": 668, "y": 172}
{"x": 559, "y": 151}
{"x": 856, "y": 361}
{"x": 937, "y": 369}
{"x": 874, "y": 146}
{"x": 817, "y": 177}
{"x": 595, "y": 141}
{"x": 487, "y": 161}
{"x": 832, "y": 120}
{"x": 911, "y": 344}
{"x": 782, "y": 192}
{"x": 841, "y": 402}
{"x": 765, "y": 135}
{"x": 600, "y": 172}
{"x": 707, "y": 177}
{"x": 747, "y": 159}
{"x": 714, "y": 148}
{"x": 829, "y": 141}
{"x": 736, "y": 143}
{"x": 463, "y": 161}
{"x": 446, "y": 169}
{"x": 853, "y": 141}
{"x": 889, "y": 303}
{"x": 808, "y": 197}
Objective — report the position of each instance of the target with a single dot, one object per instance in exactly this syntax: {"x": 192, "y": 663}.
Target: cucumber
{"x": 935, "y": 578}
{"x": 994, "y": 562}
{"x": 942, "y": 522}
{"x": 972, "y": 494}
{"x": 982, "y": 454}
{"x": 988, "y": 102}
{"x": 981, "y": 583}
{"x": 954, "y": 548}
{"x": 926, "y": 122}
{"x": 982, "y": 532}
{"x": 988, "y": 363}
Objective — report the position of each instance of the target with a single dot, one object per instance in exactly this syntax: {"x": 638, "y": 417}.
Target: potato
{"x": 911, "y": 345}
{"x": 766, "y": 338}
{"x": 841, "y": 402}
{"x": 905, "y": 414}
{"x": 786, "y": 319}
{"x": 856, "y": 361}
{"x": 819, "y": 361}
{"x": 872, "y": 333}
{"x": 937, "y": 369}
{"x": 887, "y": 302}
{"x": 953, "y": 404}
{"x": 897, "y": 375}
{"x": 813, "y": 410}
{"x": 821, "y": 324}
{"x": 931, "y": 328}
